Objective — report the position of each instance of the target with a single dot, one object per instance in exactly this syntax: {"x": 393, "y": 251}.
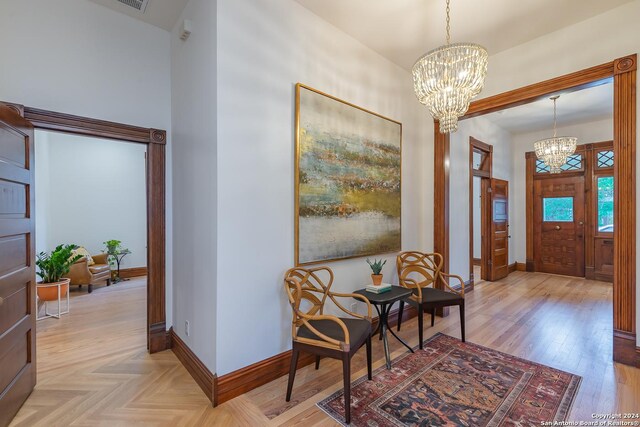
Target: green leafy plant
{"x": 113, "y": 246}
{"x": 376, "y": 265}
{"x": 51, "y": 267}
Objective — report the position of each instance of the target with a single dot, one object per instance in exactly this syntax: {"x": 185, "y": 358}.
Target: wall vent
{"x": 140, "y": 5}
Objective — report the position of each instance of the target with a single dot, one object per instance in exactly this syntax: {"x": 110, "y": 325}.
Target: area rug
{"x": 451, "y": 383}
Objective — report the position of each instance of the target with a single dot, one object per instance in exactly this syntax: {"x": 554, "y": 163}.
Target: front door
{"x": 558, "y": 221}
{"x": 17, "y": 274}
{"x": 497, "y": 214}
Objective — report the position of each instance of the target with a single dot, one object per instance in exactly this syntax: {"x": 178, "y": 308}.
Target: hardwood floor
{"x": 93, "y": 368}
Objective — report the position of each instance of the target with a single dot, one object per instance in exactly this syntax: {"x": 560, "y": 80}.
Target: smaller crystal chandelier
{"x": 555, "y": 151}
{"x": 447, "y": 78}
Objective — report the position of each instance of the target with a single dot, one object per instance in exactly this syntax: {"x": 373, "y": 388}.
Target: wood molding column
{"x": 624, "y": 234}
{"x": 530, "y": 169}
{"x": 441, "y": 200}
{"x": 156, "y": 305}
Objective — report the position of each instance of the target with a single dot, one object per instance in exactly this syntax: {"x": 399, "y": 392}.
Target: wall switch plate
{"x": 187, "y": 327}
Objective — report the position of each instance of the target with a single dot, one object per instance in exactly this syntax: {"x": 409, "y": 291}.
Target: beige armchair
{"x": 81, "y": 273}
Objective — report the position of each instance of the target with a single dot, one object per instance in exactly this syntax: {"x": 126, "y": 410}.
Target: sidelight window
{"x": 605, "y": 204}
{"x": 557, "y": 209}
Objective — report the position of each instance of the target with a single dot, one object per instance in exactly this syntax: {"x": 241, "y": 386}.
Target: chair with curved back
{"x": 421, "y": 272}
{"x": 324, "y": 335}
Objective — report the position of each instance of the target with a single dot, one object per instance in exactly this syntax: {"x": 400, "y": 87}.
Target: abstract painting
{"x": 347, "y": 179}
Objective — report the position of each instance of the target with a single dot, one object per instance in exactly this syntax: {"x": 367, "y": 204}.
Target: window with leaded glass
{"x": 604, "y": 159}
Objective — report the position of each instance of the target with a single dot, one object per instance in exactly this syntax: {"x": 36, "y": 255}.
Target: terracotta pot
{"x": 49, "y": 291}
{"x": 377, "y": 279}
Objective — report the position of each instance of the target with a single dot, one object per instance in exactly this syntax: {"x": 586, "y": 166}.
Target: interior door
{"x": 558, "y": 221}
{"x": 17, "y": 272}
{"x": 496, "y": 193}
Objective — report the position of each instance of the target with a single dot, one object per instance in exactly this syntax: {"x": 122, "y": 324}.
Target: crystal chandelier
{"x": 555, "y": 151}
{"x": 447, "y": 78}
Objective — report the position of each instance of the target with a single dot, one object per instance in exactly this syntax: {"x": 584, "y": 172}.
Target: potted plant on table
{"x": 51, "y": 268}
{"x": 376, "y": 268}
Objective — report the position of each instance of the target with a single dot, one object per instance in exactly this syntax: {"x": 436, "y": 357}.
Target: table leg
{"x": 384, "y": 326}
{"x": 397, "y": 337}
{"x": 378, "y": 329}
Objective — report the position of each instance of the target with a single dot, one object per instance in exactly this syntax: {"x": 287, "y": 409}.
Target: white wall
{"x": 92, "y": 190}
{"x": 594, "y": 41}
{"x": 264, "y": 48}
{"x": 77, "y": 57}
{"x": 193, "y": 68}
{"x": 484, "y": 130}
{"x": 596, "y": 131}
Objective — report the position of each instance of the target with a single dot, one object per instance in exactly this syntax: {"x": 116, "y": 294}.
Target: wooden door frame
{"x": 623, "y": 73}
{"x": 477, "y": 145}
{"x": 155, "y": 140}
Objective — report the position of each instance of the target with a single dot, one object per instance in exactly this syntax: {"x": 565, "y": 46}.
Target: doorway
{"x": 17, "y": 238}
{"x": 622, "y": 72}
{"x": 480, "y": 172}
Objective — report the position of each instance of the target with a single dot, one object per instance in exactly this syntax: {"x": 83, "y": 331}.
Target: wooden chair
{"x": 420, "y": 272}
{"x": 324, "y": 334}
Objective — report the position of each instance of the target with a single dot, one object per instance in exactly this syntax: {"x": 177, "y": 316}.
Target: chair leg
{"x": 292, "y": 371}
{"x": 420, "y": 324}
{"x": 90, "y": 288}
{"x": 346, "y": 373}
{"x": 433, "y": 316}
{"x": 317, "y": 362}
{"x": 109, "y": 282}
{"x": 462, "y": 320}
{"x": 369, "y": 376}
{"x": 400, "y": 311}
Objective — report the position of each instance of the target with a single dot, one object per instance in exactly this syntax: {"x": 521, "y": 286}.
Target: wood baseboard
{"x": 157, "y": 338}
{"x": 127, "y": 273}
{"x": 200, "y": 373}
{"x": 477, "y": 261}
{"x": 253, "y": 376}
{"x": 517, "y": 266}
{"x": 637, "y": 357}
{"x": 624, "y": 348}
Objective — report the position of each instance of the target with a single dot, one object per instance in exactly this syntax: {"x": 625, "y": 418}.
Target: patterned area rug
{"x": 451, "y": 383}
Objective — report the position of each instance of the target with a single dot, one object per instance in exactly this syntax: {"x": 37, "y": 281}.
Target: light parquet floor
{"x": 94, "y": 369}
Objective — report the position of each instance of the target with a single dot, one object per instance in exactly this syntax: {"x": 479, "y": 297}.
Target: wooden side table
{"x": 384, "y": 301}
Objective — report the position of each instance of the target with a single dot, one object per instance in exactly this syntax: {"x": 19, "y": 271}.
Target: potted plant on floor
{"x": 116, "y": 252}
{"x": 376, "y": 268}
{"x": 51, "y": 268}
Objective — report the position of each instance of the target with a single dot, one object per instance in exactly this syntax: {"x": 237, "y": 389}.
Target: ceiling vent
{"x": 140, "y": 5}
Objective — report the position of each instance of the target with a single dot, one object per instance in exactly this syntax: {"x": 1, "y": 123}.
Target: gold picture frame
{"x": 348, "y": 180}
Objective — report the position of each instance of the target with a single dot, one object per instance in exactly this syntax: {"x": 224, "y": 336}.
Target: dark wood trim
{"x": 200, "y": 373}
{"x": 253, "y": 376}
{"x": 521, "y": 266}
{"x": 156, "y": 140}
{"x": 624, "y": 347}
{"x": 637, "y": 357}
{"x": 156, "y": 240}
{"x": 77, "y": 125}
{"x": 485, "y": 172}
{"x": 441, "y": 201}
{"x": 513, "y": 267}
{"x": 624, "y": 233}
{"x": 623, "y": 73}
{"x": 590, "y": 77}
{"x": 127, "y": 273}
{"x": 477, "y": 261}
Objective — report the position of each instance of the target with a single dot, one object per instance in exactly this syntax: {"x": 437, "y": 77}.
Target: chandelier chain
{"x": 448, "y": 23}
{"x": 554, "y": 118}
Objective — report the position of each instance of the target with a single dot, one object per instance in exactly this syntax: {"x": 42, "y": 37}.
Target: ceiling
{"x": 403, "y": 30}
{"x": 161, "y": 13}
{"x": 595, "y": 103}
